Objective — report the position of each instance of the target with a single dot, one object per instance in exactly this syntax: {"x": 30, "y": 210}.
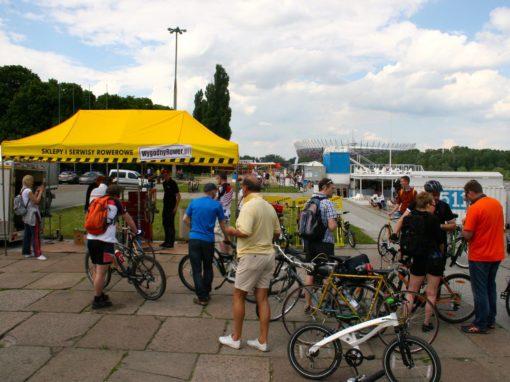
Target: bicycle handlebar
{"x": 292, "y": 260}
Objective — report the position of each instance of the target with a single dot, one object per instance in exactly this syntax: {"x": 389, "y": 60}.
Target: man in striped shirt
{"x": 224, "y": 196}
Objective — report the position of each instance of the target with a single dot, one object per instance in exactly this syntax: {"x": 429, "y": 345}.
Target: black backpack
{"x": 311, "y": 227}
{"x": 413, "y": 240}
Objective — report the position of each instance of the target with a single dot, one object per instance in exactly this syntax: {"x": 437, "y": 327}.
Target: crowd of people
{"x": 423, "y": 222}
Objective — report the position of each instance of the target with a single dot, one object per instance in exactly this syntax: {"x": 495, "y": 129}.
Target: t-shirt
{"x": 225, "y": 195}
{"x": 170, "y": 190}
{"x": 257, "y": 219}
{"x": 444, "y": 214}
{"x": 432, "y": 231}
{"x": 203, "y": 213}
{"x": 404, "y": 198}
{"x": 485, "y": 219}
{"x": 115, "y": 208}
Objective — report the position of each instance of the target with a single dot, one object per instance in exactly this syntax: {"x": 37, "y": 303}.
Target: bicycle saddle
{"x": 340, "y": 259}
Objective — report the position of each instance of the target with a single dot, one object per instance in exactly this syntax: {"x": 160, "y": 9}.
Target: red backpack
{"x": 96, "y": 221}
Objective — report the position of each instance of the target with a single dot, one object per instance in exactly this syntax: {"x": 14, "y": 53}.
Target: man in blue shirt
{"x": 201, "y": 215}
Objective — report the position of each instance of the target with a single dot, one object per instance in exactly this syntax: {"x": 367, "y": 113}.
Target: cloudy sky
{"x": 434, "y": 72}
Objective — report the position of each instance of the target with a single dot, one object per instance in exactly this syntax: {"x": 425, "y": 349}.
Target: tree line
{"x": 458, "y": 158}
{"x": 29, "y": 105}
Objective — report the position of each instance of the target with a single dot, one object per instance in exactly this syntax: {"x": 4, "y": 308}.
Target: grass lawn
{"x": 73, "y": 218}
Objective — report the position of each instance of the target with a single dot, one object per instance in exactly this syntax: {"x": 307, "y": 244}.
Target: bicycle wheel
{"x": 507, "y": 303}
{"x": 185, "y": 273}
{"x": 320, "y": 364}
{"x": 278, "y": 291}
{"x": 461, "y": 256}
{"x": 149, "y": 278}
{"x": 455, "y": 301}
{"x": 383, "y": 242}
{"x": 303, "y": 305}
{"x": 411, "y": 359}
{"x": 90, "y": 270}
{"x": 416, "y": 314}
{"x": 351, "y": 238}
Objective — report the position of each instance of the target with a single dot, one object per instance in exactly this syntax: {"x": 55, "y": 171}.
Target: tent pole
{"x": 3, "y": 203}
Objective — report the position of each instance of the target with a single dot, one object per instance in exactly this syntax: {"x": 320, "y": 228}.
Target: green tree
{"x": 12, "y": 78}
{"x": 212, "y": 109}
{"x": 200, "y": 106}
{"x": 273, "y": 158}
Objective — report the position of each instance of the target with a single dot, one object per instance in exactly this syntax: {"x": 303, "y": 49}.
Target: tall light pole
{"x": 177, "y": 32}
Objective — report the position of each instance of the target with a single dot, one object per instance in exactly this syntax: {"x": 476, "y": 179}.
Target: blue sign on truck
{"x": 455, "y": 198}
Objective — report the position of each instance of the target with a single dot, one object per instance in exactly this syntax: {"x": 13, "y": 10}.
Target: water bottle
{"x": 119, "y": 256}
{"x": 351, "y": 300}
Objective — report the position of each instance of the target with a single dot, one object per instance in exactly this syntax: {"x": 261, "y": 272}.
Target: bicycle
{"x": 225, "y": 264}
{"x": 315, "y": 351}
{"x": 457, "y": 249}
{"x": 505, "y": 295}
{"x": 344, "y": 228}
{"x": 384, "y": 242}
{"x": 131, "y": 262}
{"x": 347, "y": 299}
{"x": 452, "y": 302}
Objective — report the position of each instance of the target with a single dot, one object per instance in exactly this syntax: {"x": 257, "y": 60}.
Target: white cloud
{"x": 298, "y": 69}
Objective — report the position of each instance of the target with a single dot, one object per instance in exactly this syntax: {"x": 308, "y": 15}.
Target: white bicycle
{"x": 315, "y": 351}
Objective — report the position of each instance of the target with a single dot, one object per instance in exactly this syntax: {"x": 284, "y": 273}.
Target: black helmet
{"x": 433, "y": 186}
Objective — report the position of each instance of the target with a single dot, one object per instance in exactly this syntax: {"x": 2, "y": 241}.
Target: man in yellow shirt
{"x": 256, "y": 228}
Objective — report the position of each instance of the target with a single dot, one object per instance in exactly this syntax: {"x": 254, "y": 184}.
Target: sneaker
{"x": 101, "y": 303}
{"x": 197, "y": 301}
{"x": 257, "y": 345}
{"x": 166, "y": 245}
{"x": 427, "y": 327}
{"x": 229, "y": 341}
{"x": 41, "y": 257}
{"x": 28, "y": 255}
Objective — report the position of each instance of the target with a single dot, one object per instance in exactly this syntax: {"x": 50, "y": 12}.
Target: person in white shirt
{"x": 32, "y": 218}
{"x": 101, "y": 247}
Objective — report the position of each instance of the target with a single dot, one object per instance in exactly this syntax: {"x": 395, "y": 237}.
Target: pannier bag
{"x": 357, "y": 265}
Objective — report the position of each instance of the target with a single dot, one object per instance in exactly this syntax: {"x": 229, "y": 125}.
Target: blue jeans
{"x": 483, "y": 284}
{"x": 201, "y": 255}
{"x": 32, "y": 238}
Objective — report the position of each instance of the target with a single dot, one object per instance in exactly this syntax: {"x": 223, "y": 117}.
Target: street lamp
{"x": 177, "y": 32}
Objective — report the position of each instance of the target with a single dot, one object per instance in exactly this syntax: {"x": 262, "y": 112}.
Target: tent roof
{"x": 126, "y": 136}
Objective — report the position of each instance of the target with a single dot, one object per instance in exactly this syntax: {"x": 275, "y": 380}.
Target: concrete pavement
{"x": 48, "y": 332}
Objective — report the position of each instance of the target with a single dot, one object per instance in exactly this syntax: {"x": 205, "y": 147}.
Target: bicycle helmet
{"x": 433, "y": 186}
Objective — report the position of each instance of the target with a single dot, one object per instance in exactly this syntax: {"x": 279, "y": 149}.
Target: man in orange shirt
{"x": 484, "y": 231}
{"x": 406, "y": 196}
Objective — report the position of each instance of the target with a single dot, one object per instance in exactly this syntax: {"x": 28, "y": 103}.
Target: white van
{"x": 130, "y": 177}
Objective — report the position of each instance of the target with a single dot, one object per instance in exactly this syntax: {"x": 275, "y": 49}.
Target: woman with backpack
{"x": 32, "y": 218}
{"x": 421, "y": 241}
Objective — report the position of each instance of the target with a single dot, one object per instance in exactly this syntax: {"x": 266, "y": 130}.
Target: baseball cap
{"x": 210, "y": 187}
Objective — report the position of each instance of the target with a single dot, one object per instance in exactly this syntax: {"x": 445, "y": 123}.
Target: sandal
{"x": 427, "y": 327}
{"x": 472, "y": 329}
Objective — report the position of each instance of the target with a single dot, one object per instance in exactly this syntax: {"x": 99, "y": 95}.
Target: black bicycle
{"x": 224, "y": 263}
{"x": 131, "y": 261}
{"x": 345, "y": 230}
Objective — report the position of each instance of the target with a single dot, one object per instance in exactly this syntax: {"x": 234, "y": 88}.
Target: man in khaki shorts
{"x": 256, "y": 228}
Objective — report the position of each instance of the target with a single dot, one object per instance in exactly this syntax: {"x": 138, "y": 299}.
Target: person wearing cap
{"x": 201, "y": 215}
{"x": 171, "y": 200}
{"x": 90, "y": 188}
{"x": 104, "y": 182}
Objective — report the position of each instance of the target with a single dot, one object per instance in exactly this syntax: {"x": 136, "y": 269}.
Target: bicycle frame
{"x": 346, "y": 336}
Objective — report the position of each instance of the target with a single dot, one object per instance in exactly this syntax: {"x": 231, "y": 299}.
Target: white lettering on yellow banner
{"x": 164, "y": 152}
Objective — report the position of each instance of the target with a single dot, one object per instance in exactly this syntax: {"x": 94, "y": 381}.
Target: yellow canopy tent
{"x": 126, "y": 136}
